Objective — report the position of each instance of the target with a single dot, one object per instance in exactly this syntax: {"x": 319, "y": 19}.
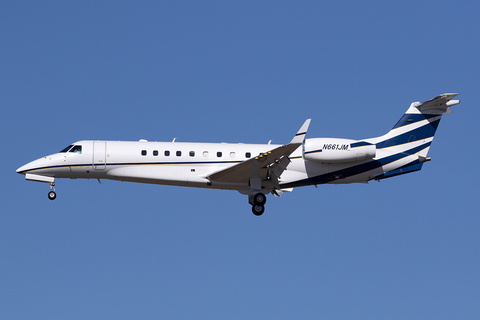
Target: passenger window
{"x": 66, "y": 149}
{"x": 155, "y": 153}
{"x": 179, "y": 153}
{"x": 144, "y": 152}
{"x": 232, "y": 154}
{"x": 76, "y": 149}
{"x": 205, "y": 153}
{"x": 248, "y": 155}
{"x": 167, "y": 153}
{"x": 219, "y": 154}
{"x": 192, "y": 153}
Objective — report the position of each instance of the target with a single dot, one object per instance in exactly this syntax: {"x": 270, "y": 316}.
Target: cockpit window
{"x": 66, "y": 149}
{"x": 76, "y": 149}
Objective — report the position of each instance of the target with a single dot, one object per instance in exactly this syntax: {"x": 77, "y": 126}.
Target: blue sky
{"x": 252, "y": 71}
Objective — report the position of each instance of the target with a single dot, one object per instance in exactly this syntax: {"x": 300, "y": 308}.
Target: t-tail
{"x": 405, "y": 148}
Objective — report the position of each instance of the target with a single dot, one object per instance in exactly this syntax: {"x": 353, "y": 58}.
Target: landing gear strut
{"x": 52, "y": 195}
{"x": 258, "y": 203}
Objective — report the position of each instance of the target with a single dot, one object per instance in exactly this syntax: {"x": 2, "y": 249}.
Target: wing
{"x": 256, "y": 169}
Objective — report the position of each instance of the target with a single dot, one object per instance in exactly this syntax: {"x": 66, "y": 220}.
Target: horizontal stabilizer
{"x": 438, "y": 105}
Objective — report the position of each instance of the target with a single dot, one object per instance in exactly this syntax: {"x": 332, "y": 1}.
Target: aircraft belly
{"x": 174, "y": 175}
{"x": 291, "y": 176}
{"x": 171, "y": 175}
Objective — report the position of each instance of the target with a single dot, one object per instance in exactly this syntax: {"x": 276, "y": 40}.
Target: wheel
{"x": 258, "y": 210}
{"x": 52, "y": 195}
{"x": 259, "y": 199}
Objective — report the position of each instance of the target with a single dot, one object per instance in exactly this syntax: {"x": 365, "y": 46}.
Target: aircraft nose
{"x": 35, "y": 164}
{"x": 24, "y": 169}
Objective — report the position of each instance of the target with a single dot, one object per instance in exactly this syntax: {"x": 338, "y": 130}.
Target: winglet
{"x": 301, "y": 133}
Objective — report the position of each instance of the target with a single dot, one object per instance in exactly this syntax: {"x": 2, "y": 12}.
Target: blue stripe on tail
{"x": 409, "y": 118}
{"x": 424, "y": 132}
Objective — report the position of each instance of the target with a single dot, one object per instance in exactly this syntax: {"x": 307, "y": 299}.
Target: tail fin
{"x": 413, "y": 133}
{"x": 418, "y": 124}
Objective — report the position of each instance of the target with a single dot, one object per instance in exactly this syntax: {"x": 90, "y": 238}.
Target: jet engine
{"x": 334, "y": 150}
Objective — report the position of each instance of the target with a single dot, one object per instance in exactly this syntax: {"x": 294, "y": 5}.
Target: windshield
{"x": 76, "y": 149}
{"x": 66, "y": 149}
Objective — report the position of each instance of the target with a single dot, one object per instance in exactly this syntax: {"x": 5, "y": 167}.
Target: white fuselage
{"x": 187, "y": 164}
{"x": 169, "y": 163}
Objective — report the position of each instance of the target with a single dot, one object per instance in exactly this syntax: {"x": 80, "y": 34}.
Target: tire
{"x": 258, "y": 210}
{"x": 259, "y": 199}
{"x": 52, "y": 195}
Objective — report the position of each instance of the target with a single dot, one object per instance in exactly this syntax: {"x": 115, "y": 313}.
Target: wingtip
{"x": 305, "y": 126}
{"x": 301, "y": 133}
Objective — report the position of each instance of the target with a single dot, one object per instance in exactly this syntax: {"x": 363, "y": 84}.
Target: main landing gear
{"x": 258, "y": 203}
{"x": 52, "y": 195}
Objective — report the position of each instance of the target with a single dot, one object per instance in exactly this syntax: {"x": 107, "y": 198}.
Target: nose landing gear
{"x": 52, "y": 194}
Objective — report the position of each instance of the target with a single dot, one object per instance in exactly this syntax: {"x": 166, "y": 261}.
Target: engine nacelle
{"x": 334, "y": 150}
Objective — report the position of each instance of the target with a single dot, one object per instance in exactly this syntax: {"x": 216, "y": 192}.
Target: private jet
{"x": 254, "y": 170}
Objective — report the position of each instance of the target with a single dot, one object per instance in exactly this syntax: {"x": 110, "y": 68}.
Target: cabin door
{"x": 99, "y": 155}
